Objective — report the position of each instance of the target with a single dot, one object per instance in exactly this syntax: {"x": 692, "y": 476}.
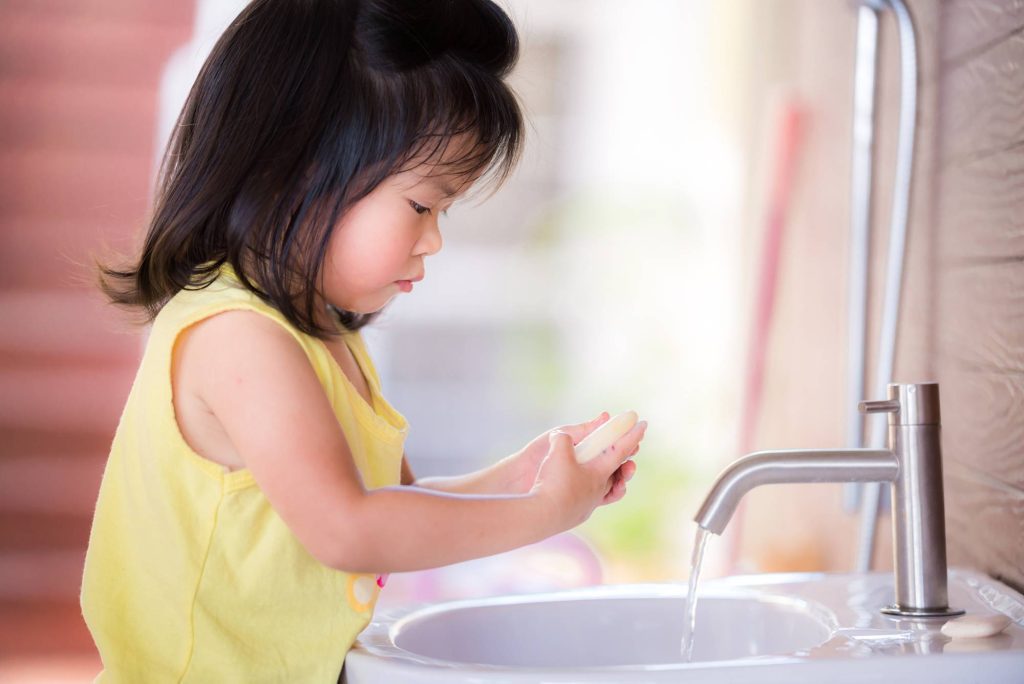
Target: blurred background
{"x": 624, "y": 266}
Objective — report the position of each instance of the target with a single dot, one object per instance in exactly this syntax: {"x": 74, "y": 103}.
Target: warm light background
{"x": 615, "y": 271}
{"x": 608, "y": 275}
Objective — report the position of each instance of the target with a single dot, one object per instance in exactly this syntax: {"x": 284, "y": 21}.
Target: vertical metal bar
{"x": 864, "y": 88}
{"x": 894, "y": 267}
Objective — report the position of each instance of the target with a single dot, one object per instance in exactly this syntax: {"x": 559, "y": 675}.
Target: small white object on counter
{"x": 604, "y": 436}
{"x": 975, "y": 626}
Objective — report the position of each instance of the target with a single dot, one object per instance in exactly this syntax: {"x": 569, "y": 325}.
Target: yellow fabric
{"x": 190, "y": 575}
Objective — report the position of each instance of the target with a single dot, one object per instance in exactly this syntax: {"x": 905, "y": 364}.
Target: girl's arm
{"x": 502, "y": 477}
{"x": 259, "y": 385}
{"x": 513, "y": 474}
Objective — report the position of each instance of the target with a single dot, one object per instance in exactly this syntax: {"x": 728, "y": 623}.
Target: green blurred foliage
{"x": 639, "y": 531}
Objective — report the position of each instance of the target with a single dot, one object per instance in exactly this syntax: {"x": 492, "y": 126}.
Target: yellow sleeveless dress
{"x": 190, "y": 574}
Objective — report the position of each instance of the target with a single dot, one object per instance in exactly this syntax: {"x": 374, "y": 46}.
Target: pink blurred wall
{"x": 78, "y": 87}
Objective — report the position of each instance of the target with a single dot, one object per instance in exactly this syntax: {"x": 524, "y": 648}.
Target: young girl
{"x": 257, "y": 491}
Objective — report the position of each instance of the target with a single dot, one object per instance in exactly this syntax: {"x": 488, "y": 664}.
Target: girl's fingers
{"x": 617, "y": 482}
{"x": 626, "y": 471}
{"x": 579, "y": 431}
{"x": 617, "y": 491}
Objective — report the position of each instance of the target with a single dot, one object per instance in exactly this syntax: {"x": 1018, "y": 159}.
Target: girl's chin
{"x": 363, "y": 308}
{"x": 367, "y": 308}
{"x": 371, "y": 303}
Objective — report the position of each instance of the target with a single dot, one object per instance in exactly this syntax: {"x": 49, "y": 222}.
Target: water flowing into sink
{"x": 686, "y": 647}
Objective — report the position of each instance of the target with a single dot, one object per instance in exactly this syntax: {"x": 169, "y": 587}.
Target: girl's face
{"x": 379, "y": 248}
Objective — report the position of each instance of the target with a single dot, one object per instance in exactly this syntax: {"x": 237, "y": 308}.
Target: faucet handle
{"x": 908, "y": 404}
{"x": 879, "y": 406}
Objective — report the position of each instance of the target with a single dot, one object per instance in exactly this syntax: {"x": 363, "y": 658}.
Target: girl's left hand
{"x": 525, "y": 463}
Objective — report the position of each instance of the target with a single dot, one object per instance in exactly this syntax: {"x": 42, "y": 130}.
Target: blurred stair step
{"x": 65, "y": 327}
{"x": 69, "y": 399}
{"x": 46, "y": 251}
{"x": 99, "y": 119}
{"x": 31, "y": 628}
{"x": 69, "y": 184}
{"x": 41, "y": 576}
{"x": 89, "y": 48}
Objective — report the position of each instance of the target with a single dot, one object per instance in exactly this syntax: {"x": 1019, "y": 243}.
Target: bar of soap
{"x": 604, "y": 436}
{"x": 975, "y": 626}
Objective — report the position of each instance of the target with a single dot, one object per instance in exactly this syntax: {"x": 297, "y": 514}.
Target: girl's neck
{"x": 327, "y": 317}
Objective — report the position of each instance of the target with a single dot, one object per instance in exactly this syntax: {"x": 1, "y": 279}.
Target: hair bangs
{"x": 468, "y": 124}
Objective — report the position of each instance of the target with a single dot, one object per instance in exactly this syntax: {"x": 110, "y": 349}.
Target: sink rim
{"x": 380, "y": 637}
{"x": 850, "y": 656}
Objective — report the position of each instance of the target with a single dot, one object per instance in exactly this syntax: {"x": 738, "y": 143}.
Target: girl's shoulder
{"x": 226, "y": 314}
{"x": 226, "y": 291}
{"x": 224, "y": 340}
{"x": 191, "y": 306}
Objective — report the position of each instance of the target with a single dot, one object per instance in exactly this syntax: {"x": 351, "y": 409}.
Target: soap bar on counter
{"x": 975, "y": 626}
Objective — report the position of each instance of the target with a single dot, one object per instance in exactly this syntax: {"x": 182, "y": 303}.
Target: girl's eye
{"x": 419, "y": 208}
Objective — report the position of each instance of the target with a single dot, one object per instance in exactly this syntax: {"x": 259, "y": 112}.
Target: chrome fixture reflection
{"x": 913, "y": 466}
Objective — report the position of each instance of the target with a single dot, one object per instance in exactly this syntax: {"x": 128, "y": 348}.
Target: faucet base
{"x": 922, "y": 612}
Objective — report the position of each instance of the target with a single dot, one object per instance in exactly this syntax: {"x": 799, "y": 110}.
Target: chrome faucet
{"x": 912, "y": 464}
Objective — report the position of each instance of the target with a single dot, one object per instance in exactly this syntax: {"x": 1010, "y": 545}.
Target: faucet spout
{"x": 913, "y": 466}
{"x": 790, "y": 466}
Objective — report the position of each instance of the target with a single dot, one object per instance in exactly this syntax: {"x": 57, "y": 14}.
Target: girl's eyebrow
{"x": 437, "y": 183}
{"x": 448, "y": 190}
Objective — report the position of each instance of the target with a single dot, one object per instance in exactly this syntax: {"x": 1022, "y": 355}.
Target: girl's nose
{"x": 430, "y": 242}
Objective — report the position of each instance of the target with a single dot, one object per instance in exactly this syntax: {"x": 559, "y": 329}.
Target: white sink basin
{"x": 758, "y": 628}
{"x": 625, "y": 626}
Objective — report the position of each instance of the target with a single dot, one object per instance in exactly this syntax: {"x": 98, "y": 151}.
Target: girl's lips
{"x": 406, "y": 285}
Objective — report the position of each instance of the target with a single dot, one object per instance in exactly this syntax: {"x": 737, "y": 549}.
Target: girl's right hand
{"x": 573, "y": 490}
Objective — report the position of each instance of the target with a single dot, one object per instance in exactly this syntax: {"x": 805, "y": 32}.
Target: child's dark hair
{"x": 302, "y": 109}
